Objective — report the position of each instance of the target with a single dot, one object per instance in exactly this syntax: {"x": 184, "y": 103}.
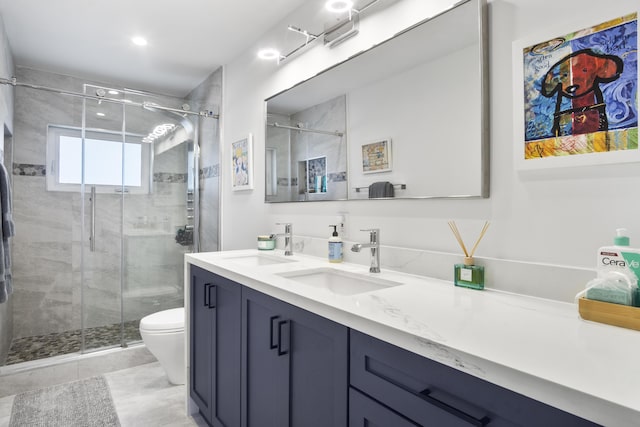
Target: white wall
{"x": 557, "y": 217}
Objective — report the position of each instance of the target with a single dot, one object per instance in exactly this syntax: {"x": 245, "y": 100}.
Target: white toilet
{"x": 163, "y": 334}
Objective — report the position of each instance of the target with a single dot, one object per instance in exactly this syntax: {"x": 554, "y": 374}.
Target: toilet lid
{"x": 164, "y": 320}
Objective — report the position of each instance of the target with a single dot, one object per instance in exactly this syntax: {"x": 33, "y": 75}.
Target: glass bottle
{"x": 469, "y": 275}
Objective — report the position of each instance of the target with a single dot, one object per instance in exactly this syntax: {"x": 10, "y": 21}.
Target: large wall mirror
{"x": 407, "y": 118}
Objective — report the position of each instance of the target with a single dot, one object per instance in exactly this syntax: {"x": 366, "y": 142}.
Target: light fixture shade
{"x": 269, "y": 54}
{"x": 339, "y": 6}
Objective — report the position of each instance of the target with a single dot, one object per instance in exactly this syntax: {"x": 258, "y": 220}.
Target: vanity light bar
{"x": 308, "y": 35}
{"x": 332, "y": 6}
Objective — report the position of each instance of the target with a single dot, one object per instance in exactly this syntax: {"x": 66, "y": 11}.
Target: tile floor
{"x": 142, "y": 397}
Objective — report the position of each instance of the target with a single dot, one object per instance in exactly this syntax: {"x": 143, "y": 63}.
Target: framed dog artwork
{"x": 242, "y": 164}
{"x": 576, "y": 96}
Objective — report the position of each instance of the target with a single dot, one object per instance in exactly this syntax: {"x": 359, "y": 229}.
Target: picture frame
{"x": 561, "y": 121}
{"x": 377, "y": 156}
{"x": 242, "y": 164}
{"x": 312, "y": 174}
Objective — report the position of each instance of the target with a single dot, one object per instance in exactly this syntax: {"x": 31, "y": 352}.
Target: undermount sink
{"x": 258, "y": 260}
{"x": 339, "y": 282}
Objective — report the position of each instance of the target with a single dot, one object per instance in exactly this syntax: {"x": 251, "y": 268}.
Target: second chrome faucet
{"x": 374, "y": 244}
{"x": 288, "y": 237}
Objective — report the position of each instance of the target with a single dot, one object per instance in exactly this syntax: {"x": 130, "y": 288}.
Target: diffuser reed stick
{"x": 456, "y": 233}
{"x": 468, "y": 274}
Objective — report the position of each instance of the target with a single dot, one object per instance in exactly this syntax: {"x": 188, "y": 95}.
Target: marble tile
{"x": 40, "y": 215}
{"x": 114, "y": 361}
{"x": 144, "y": 397}
{"x": 37, "y": 378}
{"x": 6, "y": 328}
{"x": 35, "y": 314}
{"x": 209, "y": 211}
{"x": 6, "y": 403}
{"x": 173, "y": 160}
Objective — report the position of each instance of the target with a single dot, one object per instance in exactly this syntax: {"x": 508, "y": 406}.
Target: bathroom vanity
{"x": 277, "y": 340}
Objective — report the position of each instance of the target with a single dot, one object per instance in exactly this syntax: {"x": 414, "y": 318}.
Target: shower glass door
{"x": 104, "y": 174}
{"x": 137, "y": 212}
{"x": 159, "y": 220}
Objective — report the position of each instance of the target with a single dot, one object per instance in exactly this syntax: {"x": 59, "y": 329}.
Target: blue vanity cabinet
{"x": 295, "y": 366}
{"x": 215, "y": 347}
{"x": 429, "y": 393}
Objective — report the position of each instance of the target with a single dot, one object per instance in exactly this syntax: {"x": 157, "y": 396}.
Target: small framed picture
{"x": 242, "y": 164}
{"x": 376, "y": 156}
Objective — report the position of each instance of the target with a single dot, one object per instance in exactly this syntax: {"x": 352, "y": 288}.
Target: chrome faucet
{"x": 288, "y": 237}
{"x": 374, "y": 244}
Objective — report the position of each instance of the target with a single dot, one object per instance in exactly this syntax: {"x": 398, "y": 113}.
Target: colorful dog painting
{"x": 578, "y": 77}
{"x": 580, "y": 91}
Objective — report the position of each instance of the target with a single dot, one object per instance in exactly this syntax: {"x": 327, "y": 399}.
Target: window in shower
{"x": 100, "y": 156}
{"x": 103, "y": 161}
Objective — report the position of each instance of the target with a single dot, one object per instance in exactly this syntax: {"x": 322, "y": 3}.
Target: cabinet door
{"x": 295, "y": 365}
{"x": 265, "y": 361}
{"x": 201, "y": 338}
{"x": 319, "y": 370}
{"x": 216, "y": 346}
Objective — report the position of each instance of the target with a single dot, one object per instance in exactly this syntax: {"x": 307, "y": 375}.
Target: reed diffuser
{"x": 468, "y": 275}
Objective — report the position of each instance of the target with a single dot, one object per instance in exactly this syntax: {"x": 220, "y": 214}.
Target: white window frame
{"x": 54, "y": 132}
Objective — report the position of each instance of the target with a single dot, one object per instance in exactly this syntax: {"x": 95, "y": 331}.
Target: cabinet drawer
{"x": 366, "y": 412}
{"x": 432, "y": 394}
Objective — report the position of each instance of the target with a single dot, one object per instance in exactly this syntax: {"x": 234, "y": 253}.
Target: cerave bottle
{"x": 620, "y": 256}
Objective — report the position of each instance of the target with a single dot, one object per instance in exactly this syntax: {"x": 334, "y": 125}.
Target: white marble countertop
{"x": 537, "y": 347}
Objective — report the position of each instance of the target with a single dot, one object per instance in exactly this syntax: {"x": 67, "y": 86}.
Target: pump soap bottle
{"x": 620, "y": 257}
{"x": 335, "y": 246}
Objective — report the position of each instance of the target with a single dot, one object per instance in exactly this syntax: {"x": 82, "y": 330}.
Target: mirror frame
{"x": 482, "y": 29}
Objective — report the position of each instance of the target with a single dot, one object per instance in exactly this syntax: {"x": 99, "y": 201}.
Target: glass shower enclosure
{"x": 106, "y": 196}
{"x": 138, "y": 212}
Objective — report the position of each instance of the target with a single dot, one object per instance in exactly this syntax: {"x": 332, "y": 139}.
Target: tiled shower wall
{"x": 47, "y": 247}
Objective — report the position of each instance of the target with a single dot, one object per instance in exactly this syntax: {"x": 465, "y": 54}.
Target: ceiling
{"x": 188, "y": 39}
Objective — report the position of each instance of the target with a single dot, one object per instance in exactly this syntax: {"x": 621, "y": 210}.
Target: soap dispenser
{"x": 335, "y": 246}
{"x": 621, "y": 258}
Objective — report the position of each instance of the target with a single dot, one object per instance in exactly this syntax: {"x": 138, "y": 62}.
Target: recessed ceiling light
{"x": 268, "y": 54}
{"x": 100, "y": 114}
{"x": 113, "y": 92}
{"x": 139, "y": 41}
{"x": 339, "y": 6}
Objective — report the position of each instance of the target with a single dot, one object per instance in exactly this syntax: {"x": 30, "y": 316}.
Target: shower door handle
{"x": 92, "y": 236}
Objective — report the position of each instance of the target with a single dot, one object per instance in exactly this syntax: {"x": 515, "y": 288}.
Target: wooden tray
{"x": 612, "y": 314}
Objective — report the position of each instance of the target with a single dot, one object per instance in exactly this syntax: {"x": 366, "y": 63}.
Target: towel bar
{"x": 398, "y": 186}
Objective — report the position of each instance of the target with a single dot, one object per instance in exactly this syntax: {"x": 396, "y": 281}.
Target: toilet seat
{"x": 166, "y": 321}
